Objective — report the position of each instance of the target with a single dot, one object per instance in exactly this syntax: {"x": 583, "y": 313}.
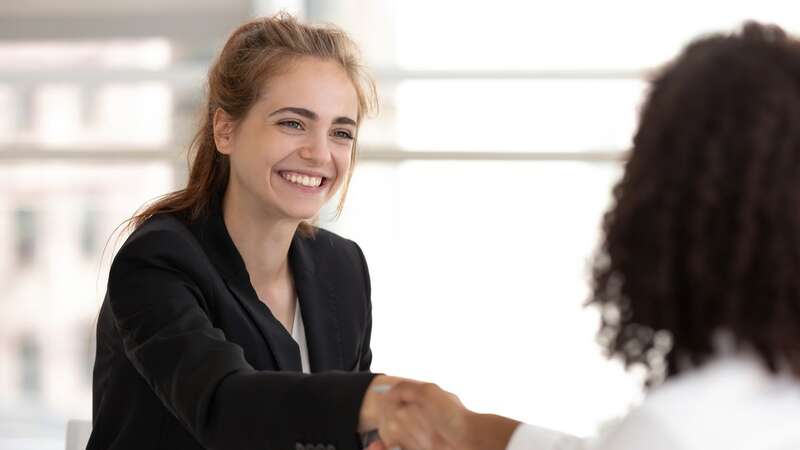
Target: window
{"x": 26, "y": 235}
{"x": 30, "y": 366}
{"x": 89, "y": 345}
{"x": 90, "y": 232}
{"x": 483, "y": 181}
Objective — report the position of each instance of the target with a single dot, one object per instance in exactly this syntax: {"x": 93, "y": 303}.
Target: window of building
{"x": 90, "y": 232}
{"x": 29, "y": 356}
{"x": 25, "y": 225}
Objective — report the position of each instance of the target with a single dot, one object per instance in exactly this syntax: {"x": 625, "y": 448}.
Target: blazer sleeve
{"x": 366, "y": 350}
{"x": 160, "y": 310}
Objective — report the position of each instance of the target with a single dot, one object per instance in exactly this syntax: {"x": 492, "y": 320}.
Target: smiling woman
{"x": 225, "y": 298}
{"x": 293, "y": 149}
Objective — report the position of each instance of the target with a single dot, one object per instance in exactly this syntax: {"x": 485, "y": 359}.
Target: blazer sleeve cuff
{"x": 281, "y": 410}
{"x": 332, "y": 400}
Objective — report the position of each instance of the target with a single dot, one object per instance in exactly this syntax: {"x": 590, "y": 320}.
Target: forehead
{"x": 321, "y": 86}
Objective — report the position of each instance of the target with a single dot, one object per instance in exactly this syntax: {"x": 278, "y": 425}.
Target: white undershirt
{"x": 299, "y": 336}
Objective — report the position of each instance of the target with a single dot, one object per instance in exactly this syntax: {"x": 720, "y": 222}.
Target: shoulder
{"x": 728, "y": 399}
{"x": 327, "y": 244}
{"x": 160, "y": 223}
{"x": 162, "y": 240}
{"x": 719, "y": 405}
{"x": 641, "y": 428}
{"x": 160, "y": 265}
{"x": 339, "y": 258}
{"x": 159, "y": 228}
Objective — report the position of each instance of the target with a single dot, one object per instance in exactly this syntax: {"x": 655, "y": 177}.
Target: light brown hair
{"x": 255, "y": 52}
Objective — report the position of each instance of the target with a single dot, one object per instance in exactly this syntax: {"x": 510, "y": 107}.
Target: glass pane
{"x": 562, "y": 35}
{"x": 59, "y": 216}
{"x": 490, "y": 258}
{"x": 8, "y": 113}
{"x": 152, "y": 54}
{"x": 62, "y": 112}
{"x": 510, "y": 115}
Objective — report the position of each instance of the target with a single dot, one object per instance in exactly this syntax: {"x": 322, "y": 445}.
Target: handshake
{"x": 411, "y": 415}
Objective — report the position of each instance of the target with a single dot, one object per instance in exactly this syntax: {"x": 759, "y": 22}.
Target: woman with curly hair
{"x": 698, "y": 274}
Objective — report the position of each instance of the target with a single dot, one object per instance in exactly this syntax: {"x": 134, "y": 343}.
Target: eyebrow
{"x": 311, "y": 115}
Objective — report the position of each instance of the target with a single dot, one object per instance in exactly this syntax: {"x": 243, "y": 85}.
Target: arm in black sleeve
{"x": 161, "y": 312}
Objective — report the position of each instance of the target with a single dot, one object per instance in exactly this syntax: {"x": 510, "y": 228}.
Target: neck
{"x": 262, "y": 240}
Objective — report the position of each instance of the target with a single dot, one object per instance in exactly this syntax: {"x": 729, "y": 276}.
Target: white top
{"x": 299, "y": 336}
{"x": 731, "y": 403}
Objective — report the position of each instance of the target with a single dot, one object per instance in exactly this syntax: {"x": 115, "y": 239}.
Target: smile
{"x": 303, "y": 179}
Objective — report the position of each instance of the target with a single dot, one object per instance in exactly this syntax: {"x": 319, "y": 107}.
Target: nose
{"x": 316, "y": 150}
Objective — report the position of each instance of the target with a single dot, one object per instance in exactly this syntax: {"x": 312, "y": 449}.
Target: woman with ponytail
{"x": 230, "y": 321}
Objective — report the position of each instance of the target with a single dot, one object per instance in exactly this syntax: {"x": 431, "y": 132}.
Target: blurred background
{"x": 477, "y": 199}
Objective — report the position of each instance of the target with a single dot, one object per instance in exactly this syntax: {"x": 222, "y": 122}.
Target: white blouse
{"x": 299, "y": 336}
{"x": 731, "y": 403}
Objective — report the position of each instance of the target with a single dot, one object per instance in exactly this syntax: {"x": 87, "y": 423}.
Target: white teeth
{"x": 303, "y": 180}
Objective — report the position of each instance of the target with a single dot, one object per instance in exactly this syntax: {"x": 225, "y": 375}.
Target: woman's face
{"x": 291, "y": 152}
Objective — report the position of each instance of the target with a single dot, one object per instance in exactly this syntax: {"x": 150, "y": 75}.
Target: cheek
{"x": 247, "y": 163}
{"x": 343, "y": 161}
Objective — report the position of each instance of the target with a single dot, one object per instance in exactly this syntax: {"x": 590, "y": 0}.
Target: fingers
{"x": 412, "y": 415}
{"x": 440, "y": 409}
{"x": 375, "y": 398}
{"x": 421, "y": 393}
{"x": 440, "y": 406}
{"x": 406, "y": 392}
{"x": 406, "y": 428}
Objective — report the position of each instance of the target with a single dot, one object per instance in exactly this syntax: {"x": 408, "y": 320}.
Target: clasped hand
{"x": 414, "y": 416}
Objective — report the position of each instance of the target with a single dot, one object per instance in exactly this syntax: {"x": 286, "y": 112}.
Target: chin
{"x": 306, "y": 215}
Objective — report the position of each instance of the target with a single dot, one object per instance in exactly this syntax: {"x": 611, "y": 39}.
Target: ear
{"x": 223, "y": 131}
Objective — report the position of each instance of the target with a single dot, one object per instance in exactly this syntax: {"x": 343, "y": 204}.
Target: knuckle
{"x": 393, "y": 427}
{"x": 430, "y": 388}
{"x": 402, "y": 415}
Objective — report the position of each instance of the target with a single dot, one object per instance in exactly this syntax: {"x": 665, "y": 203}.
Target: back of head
{"x": 704, "y": 233}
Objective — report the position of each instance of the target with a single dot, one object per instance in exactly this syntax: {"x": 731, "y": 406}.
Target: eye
{"x": 343, "y": 134}
{"x": 291, "y": 124}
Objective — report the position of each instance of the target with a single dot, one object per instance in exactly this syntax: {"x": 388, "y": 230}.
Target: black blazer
{"x": 189, "y": 358}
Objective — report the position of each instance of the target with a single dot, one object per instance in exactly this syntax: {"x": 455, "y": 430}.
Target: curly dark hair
{"x": 704, "y": 231}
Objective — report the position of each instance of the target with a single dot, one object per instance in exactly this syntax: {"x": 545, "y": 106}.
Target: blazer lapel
{"x": 318, "y": 306}
{"x": 213, "y": 235}
{"x": 284, "y": 349}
